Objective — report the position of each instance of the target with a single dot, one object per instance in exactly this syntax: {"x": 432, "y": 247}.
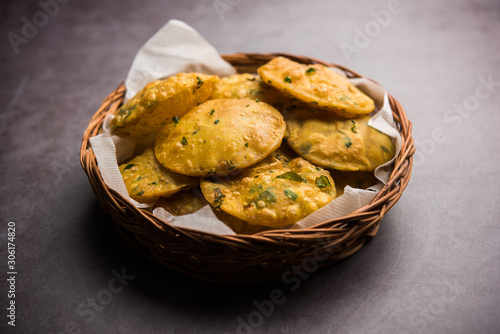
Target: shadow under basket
{"x": 243, "y": 259}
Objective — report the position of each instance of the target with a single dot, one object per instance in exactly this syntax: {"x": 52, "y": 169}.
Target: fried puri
{"x": 359, "y": 180}
{"x": 220, "y": 136}
{"x": 146, "y": 180}
{"x": 246, "y": 85}
{"x": 190, "y": 201}
{"x": 270, "y": 193}
{"x": 183, "y": 203}
{"x": 238, "y": 86}
{"x": 330, "y": 141}
{"x": 316, "y": 85}
{"x": 160, "y": 102}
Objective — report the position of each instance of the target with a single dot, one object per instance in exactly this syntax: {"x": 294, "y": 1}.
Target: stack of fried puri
{"x": 261, "y": 149}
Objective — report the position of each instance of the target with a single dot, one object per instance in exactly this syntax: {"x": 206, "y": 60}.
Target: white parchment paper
{"x": 177, "y": 48}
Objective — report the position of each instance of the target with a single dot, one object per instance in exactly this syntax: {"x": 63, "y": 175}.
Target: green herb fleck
{"x": 140, "y": 193}
{"x": 230, "y": 165}
{"x": 310, "y": 71}
{"x": 291, "y": 176}
{"x": 122, "y": 111}
{"x": 199, "y": 82}
{"x": 218, "y": 196}
{"x": 128, "y": 167}
{"x": 353, "y": 128}
{"x": 347, "y": 142}
{"x": 266, "y": 196}
{"x": 290, "y": 194}
{"x": 175, "y": 119}
{"x": 212, "y": 112}
{"x": 246, "y": 145}
{"x": 153, "y": 183}
{"x": 138, "y": 179}
{"x": 323, "y": 182}
{"x": 287, "y": 79}
{"x": 257, "y": 100}
{"x": 184, "y": 141}
{"x": 128, "y": 111}
{"x": 385, "y": 149}
{"x": 216, "y": 121}
{"x": 257, "y": 188}
{"x": 305, "y": 147}
{"x": 196, "y": 131}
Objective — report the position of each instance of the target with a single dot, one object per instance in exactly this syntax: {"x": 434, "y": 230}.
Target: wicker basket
{"x": 241, "y": 259}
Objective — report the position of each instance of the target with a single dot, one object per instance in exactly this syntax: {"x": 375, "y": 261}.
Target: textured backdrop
{"x": 432, "y": 268}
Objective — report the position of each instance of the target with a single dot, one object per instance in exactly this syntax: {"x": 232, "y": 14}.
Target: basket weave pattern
{"x": 241, "y": 259}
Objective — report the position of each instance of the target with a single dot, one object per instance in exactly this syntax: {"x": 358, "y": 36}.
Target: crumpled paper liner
{"x": 177, "y": 48}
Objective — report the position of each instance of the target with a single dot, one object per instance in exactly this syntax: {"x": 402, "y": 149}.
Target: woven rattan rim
{"x": 243, "y": 259}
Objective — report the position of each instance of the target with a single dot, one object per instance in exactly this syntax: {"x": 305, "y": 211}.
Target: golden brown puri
{"x": 160, "y": 101}
{"x": 230, "y": 133}
{"x": 183, "y": 202}
{"x": 270, "y": 193}
{"x": 146, "y": 180}
{"x": 190, "y": 201}
{"x": 330, "y": 141}
{"x": 220, "y": 136}
{"x": 359, "y": 180}
{"x": 316, "y": 85}
{"x": 246, "y": 85}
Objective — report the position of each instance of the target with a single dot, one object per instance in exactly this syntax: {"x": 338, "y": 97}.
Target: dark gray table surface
{"x": 432, "y": 268}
